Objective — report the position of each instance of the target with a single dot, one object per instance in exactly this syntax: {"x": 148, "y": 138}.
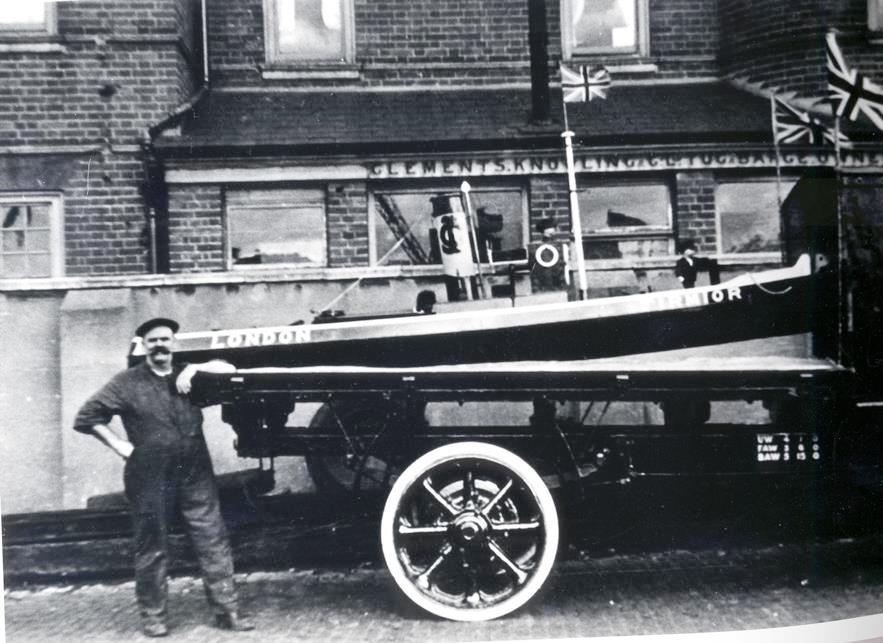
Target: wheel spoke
{"x": 519, "y": 574}
{"x": 422, "y": 580}
{"x": 447, "y": 506}
{"x": 493, "y": 501}
{"x": 468, "y": 488}
{"x": 407, "y": 530}
{"x": 516, "y": 526}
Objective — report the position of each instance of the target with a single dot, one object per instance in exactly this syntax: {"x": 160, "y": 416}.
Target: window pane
{"x": 413, "y": 211}
{"x": 749, "y": 216}
{"x": 605, "y": 24}
{"x": 292, "y": 230}
{"x": 310, "y": 29}
{"x": 38, "y": 240}
{"x": 14, "y": 217}
{"x": 25, "y": 15}
{"x": 13, "y": 241}
{"x": 38, "y": 216}
{"x": 625, "y": 208}
{"x": 15, "y": 266}
{"x": 39, "y": 265}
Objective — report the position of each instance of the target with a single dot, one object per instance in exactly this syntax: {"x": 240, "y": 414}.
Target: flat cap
{"x": 150, "y": 324}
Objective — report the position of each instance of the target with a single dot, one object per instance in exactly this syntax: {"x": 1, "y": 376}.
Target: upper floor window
{"x": 748, "y": 216}
{"x": 309, "y": 31}
{"x": 27, "y": 18}
{"x": 273, "y": 227}
{"x": 875, "y": 15}
{"x": 604, "y": 27}
{"x": 31, "y": 236}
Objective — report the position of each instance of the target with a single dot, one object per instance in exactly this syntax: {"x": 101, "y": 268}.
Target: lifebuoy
{"x": 541, "y": 250}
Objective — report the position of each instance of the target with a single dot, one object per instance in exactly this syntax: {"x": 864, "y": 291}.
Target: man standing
{"x": 686, "y": 268}
{"x": 167, "y": 467}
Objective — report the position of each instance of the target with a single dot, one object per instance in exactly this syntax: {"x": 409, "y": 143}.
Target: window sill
{"x": 632, "y": 65}
{"x": 282, "y": 71}
{"x": 31, "y": 47}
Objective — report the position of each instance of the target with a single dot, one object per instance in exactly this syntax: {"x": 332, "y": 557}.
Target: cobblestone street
{"x": 671, "y": 593}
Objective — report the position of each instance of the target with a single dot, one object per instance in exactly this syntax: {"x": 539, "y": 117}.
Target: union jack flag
{"x": 850, "y": 92}
{"x": 793, "y": 126}
{"x": 584, "y": 84}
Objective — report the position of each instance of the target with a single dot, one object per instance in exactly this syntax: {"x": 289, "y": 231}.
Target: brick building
{"x": 242, "y": 163}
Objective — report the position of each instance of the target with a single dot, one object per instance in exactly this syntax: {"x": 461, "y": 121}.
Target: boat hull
{"x": 765, "y": 304}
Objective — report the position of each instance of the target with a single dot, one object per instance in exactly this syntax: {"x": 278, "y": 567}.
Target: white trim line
{"x": 270, "y": 174}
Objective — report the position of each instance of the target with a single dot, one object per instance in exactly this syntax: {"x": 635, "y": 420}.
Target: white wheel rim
{"x": 521, "y": 528}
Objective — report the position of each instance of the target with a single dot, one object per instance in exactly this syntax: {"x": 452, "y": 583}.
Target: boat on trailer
{"x": 762, "y": 304}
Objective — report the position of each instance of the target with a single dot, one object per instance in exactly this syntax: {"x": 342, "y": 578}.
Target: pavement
{"x": 775, "y": 592}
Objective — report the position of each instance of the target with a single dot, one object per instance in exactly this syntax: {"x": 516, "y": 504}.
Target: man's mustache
{"x": 160, "y": 350}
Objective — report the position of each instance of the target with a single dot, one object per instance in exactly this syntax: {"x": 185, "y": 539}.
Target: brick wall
{"x": 781, "y": 44}
{"x": 695, "y": 209}
{"x": 548, "y": 198}
{"x": 448, "y": 42}
{"x": 105, "y": 227}
{"x": 346, "y": 211}
{"x": 113, "y": 69}
{"x": 684, "y": 37}
{"x": 196, "y": 239}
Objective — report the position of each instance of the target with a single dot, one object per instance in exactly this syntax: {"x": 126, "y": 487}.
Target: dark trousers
{"x": 158, "y": 480}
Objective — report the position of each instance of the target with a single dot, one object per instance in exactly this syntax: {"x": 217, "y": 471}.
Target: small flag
{"x": 794, "y": 126}
{"x": 584, "y": 84}
{"x": 850, "y": 92}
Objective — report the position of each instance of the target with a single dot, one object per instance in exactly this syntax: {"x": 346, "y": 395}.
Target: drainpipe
{"x": 154, "y": 190}
{"x": 538, "y": 38}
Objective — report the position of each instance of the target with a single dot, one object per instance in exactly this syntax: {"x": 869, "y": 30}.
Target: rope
{"x": 767, "y": 290}
{"x": 380, "y": 261}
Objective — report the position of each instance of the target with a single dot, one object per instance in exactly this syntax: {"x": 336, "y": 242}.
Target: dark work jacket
{"x": 152, "y": 410}
{"x": 684, "y": 269}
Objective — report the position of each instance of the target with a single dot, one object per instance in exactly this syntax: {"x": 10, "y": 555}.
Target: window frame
{"x": 723, "y": 181}
{"x": 56, "y": 230}
{"x": 274, "y": 57}
{"x": 631, "y": 231}
{"x": 642, "y": 44}
{"x": 25, "y": 31}
{"x": 322, "y": 200}
{"x": 430, "y": 190}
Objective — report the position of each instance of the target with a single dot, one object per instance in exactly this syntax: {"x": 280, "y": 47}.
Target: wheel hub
{"x": 469, "y": 528}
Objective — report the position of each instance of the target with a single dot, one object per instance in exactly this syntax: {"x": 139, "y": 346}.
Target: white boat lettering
{"x": 262, "y": 337}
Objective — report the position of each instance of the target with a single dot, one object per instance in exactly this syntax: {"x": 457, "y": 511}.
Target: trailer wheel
{"x": 362, "y": 469}
{"x": 469, "y": 532}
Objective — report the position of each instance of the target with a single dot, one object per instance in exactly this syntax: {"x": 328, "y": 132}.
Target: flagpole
{"x": 842, "y": 308}
{"x": 775, "y": 124}
{"x": 575, "y": 222}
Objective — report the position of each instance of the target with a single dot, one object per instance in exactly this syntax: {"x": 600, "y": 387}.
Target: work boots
{"x": 233, "y": 621}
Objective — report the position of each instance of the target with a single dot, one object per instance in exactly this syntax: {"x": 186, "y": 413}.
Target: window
{"x": 604, "y": 27}
{"x": 27, "y": 18}
{"x": 273, "y": 227}
{"x": 305, "y": 31}
{"x": 626, "y": 220}
{"x": 407, "y": 214}
{"x": 875, "y": 15}
{"x": 748, "y": 216}
{"x": 625, "y": 209}
{"x": 31, "y": 237}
